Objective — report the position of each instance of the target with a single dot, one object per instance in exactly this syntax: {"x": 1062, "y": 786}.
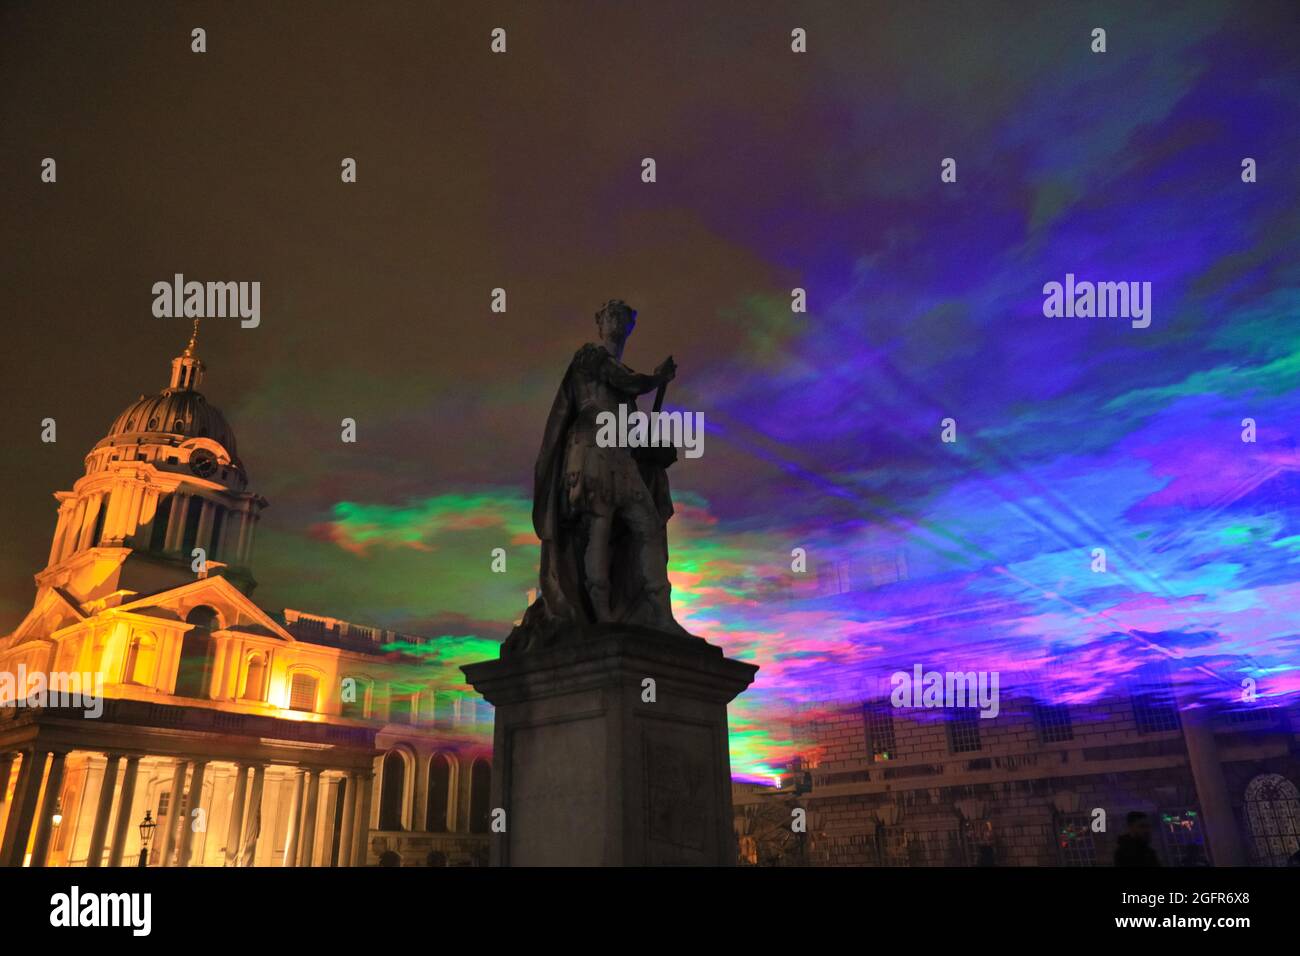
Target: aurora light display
{"x": 825, "y": 427}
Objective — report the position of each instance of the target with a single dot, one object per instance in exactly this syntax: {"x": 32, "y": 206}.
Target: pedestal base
{"x": 611, "y": 750}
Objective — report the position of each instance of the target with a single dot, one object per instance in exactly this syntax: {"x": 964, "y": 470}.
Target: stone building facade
{"x": 145, "y": 682}
{"x": 884, "y": 786}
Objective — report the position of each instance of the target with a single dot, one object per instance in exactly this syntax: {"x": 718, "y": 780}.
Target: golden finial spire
{"x": 187, "y": 368}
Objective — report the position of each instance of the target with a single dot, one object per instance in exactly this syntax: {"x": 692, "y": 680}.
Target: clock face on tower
{"x": 203, "y": 463}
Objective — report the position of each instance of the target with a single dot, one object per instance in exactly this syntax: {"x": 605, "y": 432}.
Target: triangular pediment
{"x": 54, "y": 609}
{"x": 237, "y": 612}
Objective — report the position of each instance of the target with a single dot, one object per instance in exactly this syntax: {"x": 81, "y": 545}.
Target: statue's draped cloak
{"x": 563, "y": 601}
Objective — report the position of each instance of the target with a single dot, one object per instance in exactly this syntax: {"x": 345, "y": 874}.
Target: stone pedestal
{"x": 596, "y": 766}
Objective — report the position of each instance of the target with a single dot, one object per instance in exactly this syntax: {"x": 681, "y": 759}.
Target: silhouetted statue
{"x": 601, "y": 512}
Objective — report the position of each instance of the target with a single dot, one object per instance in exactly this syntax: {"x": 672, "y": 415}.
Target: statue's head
{"x": 616, "y": 319}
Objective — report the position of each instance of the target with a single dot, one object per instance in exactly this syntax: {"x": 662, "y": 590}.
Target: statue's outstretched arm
{"x": 619, "y": 376}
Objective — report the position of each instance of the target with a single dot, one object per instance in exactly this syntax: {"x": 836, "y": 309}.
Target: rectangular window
{"x": 1054, "y": 724}
{"x": 879, "y": 718}
{"x": 302, "y": 693}
{"x": 1180, "y": 831}
{"x": 1075, "y": 845}
{"x": 964, "y": 730}
{"x": 401, "y": 710}
{"x": 354, "y": 699}
{"x": 1154, "y": 709}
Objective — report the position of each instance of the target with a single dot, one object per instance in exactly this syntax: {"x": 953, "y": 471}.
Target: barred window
{"x": 879, "y": 718}
{"x": 1264, "y": 715}
{"x": 1054, "y": 724}
{"x": 1075, "y": 845}
{"x": 1153, "y": 707}
{"x": 964, "y": 730}
{"x": 1183, "y": 838}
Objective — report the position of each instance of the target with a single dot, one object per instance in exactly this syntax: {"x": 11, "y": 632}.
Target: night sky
{"x": 775, "y": 170}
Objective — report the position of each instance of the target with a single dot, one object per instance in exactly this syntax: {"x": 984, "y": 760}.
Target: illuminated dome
{"x": 181, "y": 412}
{"x": 175, "y": 430}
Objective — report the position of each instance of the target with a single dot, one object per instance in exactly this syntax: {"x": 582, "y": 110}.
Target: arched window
{"x": 1273, "y": 811}
{"x": 480, "y": 796}
{"x": 141, "y": 660}
{"x": 255, "y": 681}
{"x": 195, "y": 671}
{"x": 439, "y": 794}
{"x": 302, "y": 692}
{"x": 393, "y": 791}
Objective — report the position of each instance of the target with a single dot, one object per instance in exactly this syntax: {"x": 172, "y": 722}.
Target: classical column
{"x": 348, "y": 794}
{"x": 124, "y": 810}
{"x": 176, "y": 522}
{"x": 88, "y": 524}
{"x": 1222, "y": 836}
{"x": 203, "y": 539}
{"x": 117, "y": 500}
{"x": 295, "y": 821}
{"x": 131, "y": 516}
{"x": 254, "y": 827}
{"x": 21, "y": 814}
{"x": 360, "y": 843}
{"x": 72, "y": 537}
{"x": 239, "y": 557}
{"x": 6, "y": 767}
{"x": 174, "y": 810}
{"x": 420, "y": 794}
{"x": 195, "y": 802}
{"x": 149, "y": 501}
{"x": 236, "y": 828}
{"x": 103, "y": 810}
{"x": 309, "y": 818}
{"x": 252, "y": 533}
{"x": 60, "y": 531}
{"x": 45, "y": 822}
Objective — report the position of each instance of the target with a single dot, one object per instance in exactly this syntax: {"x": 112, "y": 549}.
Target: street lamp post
{"x": 147, "y": 826}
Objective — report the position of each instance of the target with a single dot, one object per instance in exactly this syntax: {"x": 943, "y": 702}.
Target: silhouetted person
{"x": 1133, "y": 848}
{"x": 1193, "y": 855}
{"x": 986, "y": 856}
{"x": 390, "y": 858}
{"x": 1294, "y": 859}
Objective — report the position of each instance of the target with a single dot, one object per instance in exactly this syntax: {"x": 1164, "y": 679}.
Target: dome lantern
{"x": 187, "y": 368}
